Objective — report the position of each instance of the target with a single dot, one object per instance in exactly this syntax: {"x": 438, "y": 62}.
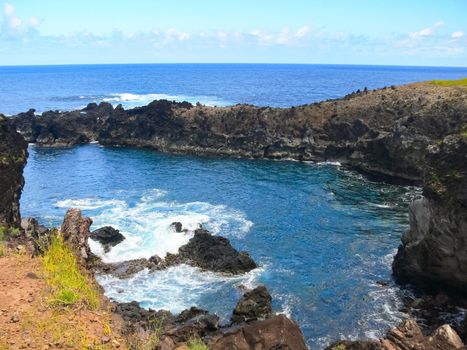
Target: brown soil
{"x": 27, "y": 321}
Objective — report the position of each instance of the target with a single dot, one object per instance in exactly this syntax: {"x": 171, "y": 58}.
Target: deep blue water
{"x": 71, "y": 87}
{"x": 323, "y": 236}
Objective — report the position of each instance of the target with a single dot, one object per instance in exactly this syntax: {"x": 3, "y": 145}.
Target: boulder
{"x": 278, "y": 332}
{"x": 214, "y": 253}
{"x": 138, "y": 319}
{"x": 107, "y": 236}
{"x": 254, "y": 305}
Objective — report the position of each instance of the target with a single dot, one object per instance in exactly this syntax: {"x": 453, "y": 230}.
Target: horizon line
{"x": 229, "y": 63}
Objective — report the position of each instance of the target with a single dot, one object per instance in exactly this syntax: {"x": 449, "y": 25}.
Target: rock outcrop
{"x": 254, "y": 305}
{"x": 204, "y": 250}
{"x": 277, "y": 332}
{"x": 13, "y": 156}
{"x": 434, "y": 250}
{"x": 107, "y": 236}
{"x": 385, "y": 132}
{"x": 214, "y": 253}
{"x": 406, "y": 336}
{"x": 75, "y": 231}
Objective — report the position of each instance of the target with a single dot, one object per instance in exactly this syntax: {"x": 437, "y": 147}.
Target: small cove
{"x": 323, "y": 236}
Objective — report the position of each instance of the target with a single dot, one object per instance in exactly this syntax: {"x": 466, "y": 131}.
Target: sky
{"x": 387, "y": 32}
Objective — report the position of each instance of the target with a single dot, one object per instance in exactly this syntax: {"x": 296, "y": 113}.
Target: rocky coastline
{"x": 410, "y": 134}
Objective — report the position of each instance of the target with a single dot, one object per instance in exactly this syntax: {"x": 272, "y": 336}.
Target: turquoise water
{"x": 322, "y": 235}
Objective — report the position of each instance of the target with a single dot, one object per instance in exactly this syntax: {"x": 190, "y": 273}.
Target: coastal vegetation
{"x": 69, "y": 286}
{"x": 458, "y": 82}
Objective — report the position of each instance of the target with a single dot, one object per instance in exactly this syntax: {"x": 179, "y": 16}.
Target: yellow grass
{"x": 458, "y": 82}
{"x": 69, "y": 286}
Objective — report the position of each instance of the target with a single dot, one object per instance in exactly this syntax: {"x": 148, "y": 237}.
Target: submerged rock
{"x": 214, "y": 253}
{"x": 254, "y": 305}
{"x": 107, "y": 236}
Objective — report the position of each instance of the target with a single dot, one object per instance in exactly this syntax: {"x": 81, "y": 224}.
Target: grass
{"x": 197, "y": 344}
{"x": 2, "y": 249}
{"x": 458, "y": 82}
{"x": 69, "y": 286}
{"x": 338, "y": 347}
{"x": 12, "y": 232}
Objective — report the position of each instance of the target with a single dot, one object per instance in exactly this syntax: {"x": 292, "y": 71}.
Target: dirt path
{"x": 27, "y": 321}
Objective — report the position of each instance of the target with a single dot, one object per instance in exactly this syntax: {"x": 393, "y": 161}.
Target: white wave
{"x": 137, "y": 100}
{"x": 146, "y": 225}
{"x": 174, "y": 289}
{"x": 88, "y": 203}
{"x": 329, "y": 163}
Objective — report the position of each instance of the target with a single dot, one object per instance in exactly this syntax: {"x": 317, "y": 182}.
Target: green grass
{"x": 458, "y": 82}
{"x": 197, "y": 344}
{"x": 8, "y": 231}
{"x": 69, "y": 286}
{"x": 2, "y": 249}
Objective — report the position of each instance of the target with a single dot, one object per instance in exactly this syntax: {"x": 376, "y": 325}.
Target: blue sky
{"x": 409, "y": 32}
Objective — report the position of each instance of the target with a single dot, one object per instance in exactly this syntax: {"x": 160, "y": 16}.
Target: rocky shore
{"x": 411, "y": 134}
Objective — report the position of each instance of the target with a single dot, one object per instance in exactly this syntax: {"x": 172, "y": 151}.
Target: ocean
{"x": 323, "y": 236}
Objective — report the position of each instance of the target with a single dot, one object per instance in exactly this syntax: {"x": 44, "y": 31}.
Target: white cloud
{"x": 457, "y": 35}
{"x": 427, "y": 31}
{"x": 34, "y": 21}
{"x": 422, "y": 32}
{"x": 8, "y": 9}
{"x": 13, "y": 26}
{"x": 303, "y": 31}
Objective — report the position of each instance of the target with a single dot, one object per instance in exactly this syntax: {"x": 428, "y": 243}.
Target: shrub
{"x": 2, "y": 249}
{"x": 69, "y": 285}
{"x": 197, "y": 344}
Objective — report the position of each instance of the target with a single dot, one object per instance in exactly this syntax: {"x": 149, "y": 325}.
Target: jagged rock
{"x": 254, "y": 305}
{"x": 177, "y": 226}
{"x": 406, "y": 336}
{"x": 127, "y": 268}
{"x": 75, "y": 231}
{"x": 13, "y": 156}
{"x": 107, "y": 236}
{"x": 39, "y": 234}
{"x": 215, "y": 253}
{"x": 137, "y": 318}
{"x": 277, "y": 332}
{"x": 433, "y": 251}
{"x": 190, "y": 313}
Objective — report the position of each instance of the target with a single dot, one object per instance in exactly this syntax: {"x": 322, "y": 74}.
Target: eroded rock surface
{"x": 13, "y": 156}
{"x": 434, "y": 250}
{"x": 407, "y": 336}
